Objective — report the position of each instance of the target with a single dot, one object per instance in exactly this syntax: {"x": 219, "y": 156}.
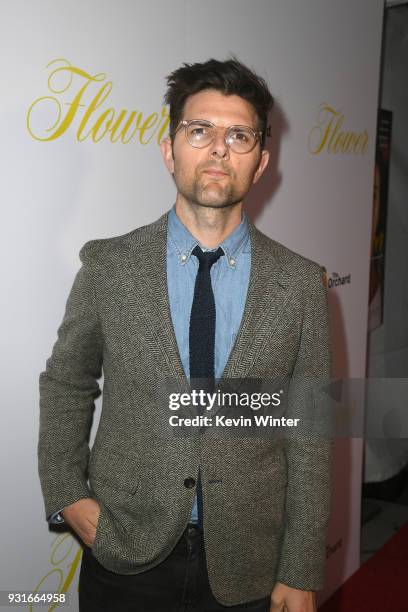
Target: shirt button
{"x": 232, "y": 261}
{"x": 184, "y": 257}
{"x": 189, "y": 483}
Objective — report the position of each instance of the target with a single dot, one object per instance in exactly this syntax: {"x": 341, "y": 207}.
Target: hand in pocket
{"x": 83, "y": 517}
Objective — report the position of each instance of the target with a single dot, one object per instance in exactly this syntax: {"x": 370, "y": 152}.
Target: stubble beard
{"x": 205, "y": 194}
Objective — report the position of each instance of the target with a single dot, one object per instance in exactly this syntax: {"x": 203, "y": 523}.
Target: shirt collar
{"x": 184, "y": 242}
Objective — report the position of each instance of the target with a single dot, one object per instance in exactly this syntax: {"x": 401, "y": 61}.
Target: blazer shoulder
{"x": 294, "y": 263}
{"x": 98, "y": 250}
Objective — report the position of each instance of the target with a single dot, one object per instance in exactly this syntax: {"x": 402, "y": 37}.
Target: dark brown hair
{"x": 230, "y": 77}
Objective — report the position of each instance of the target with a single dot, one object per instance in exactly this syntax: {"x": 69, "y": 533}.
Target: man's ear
{"x": 263, "y": 162}
{"x": 167, "y": 153}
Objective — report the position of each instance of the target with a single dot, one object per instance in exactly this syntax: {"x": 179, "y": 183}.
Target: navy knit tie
{"x": 202, "y": 335}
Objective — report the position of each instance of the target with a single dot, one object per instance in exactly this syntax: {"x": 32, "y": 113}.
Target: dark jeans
{"x": 177, "y": 584}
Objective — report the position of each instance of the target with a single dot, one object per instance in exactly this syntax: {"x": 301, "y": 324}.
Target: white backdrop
{"x": 321, "y": 61}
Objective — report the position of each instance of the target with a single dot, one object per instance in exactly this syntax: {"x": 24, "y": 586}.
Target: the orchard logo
{"x": 332, "y": 548}
{"x": 77, "y": 101}
{"x": 331, "y": 134}
{"x": 335, "y": 279}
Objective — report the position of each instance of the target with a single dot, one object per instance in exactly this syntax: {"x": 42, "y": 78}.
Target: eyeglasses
{"x": 201, "y": 133}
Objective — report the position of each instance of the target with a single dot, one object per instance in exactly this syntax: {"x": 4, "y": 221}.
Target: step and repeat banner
{"x": 82, "y": 117}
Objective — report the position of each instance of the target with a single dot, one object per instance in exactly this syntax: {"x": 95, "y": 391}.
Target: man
{"x": 190, "y": 522}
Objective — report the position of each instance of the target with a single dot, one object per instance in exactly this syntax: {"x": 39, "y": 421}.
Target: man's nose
{"x": 219, "y": 146}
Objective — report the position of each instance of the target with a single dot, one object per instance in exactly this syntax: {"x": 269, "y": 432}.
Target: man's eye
{"x": 199, "y": 131}
{"x": 240, "y": 136}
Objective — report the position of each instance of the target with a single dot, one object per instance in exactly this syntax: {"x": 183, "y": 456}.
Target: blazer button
{"x": 189, "y": 482}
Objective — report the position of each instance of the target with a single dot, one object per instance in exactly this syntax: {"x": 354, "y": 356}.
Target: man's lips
{"x": 214, "y": 172}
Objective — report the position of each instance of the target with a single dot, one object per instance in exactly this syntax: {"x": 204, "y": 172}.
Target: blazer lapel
{"x": 147, "y": 267}
{"x": 268, "y": 292}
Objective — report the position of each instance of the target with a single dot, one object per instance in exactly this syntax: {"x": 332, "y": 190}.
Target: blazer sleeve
{"x": 309, "y": 459}
{"x": 68, "y": 389}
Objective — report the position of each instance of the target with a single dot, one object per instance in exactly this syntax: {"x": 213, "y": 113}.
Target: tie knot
{"x": 207, "y": 258}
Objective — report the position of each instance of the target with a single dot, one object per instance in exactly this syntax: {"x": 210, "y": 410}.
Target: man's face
{"x": 214, "y": 176}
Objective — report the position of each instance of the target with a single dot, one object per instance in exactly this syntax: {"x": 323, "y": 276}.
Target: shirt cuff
{"x": 56, "y": 518}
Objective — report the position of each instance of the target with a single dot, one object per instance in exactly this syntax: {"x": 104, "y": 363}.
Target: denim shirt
{"x": 229, "y": 280}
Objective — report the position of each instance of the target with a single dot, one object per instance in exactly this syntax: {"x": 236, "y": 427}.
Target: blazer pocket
{"x": 114, "y": 470}
{"x": 99, "y": 529}
{"x": 110, "y": 482}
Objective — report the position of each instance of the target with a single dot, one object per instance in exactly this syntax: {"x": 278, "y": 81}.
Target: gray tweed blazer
{"x": 266, "y": 501}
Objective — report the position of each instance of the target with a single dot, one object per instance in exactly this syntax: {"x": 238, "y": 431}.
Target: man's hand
{"x": 288, "y": 599}
{"x": 83, "y": 516}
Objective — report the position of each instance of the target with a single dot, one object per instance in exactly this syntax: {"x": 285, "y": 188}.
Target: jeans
{"x": 177, "y": 584}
